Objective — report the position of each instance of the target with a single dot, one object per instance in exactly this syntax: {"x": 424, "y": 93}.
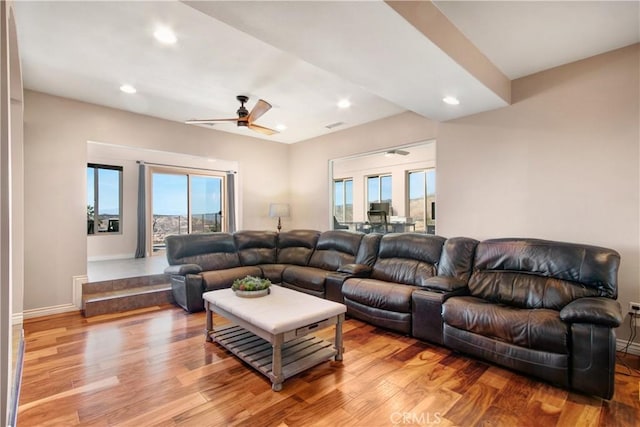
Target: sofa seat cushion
{"x": 539, "y": 329}
{"x": 305, "y": 277}
{"x": 219, "y": 279}
{"x": 273, "y": 272}
{"x": 379, "y": 294}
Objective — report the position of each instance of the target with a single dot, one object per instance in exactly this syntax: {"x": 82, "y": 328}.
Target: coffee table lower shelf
{"x": 297, "y": 355}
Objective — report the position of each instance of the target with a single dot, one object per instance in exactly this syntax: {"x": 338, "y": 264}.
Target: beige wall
{"x": 56, "y": 135}
{"x": 561, "y": 163}
{"x": 309, "y": 171}
{"x": 122, "y": 245}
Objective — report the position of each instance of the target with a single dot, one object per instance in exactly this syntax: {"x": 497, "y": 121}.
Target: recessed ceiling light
{"x": 344, "y": 103}
{"x": 451, "y": 100}
{"x": 281, "y": 127}
{"x": 128, "y": 89}
{"x": 165, "y": 35}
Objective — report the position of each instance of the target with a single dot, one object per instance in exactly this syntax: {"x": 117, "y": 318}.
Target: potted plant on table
{"x": 251, "y": 287}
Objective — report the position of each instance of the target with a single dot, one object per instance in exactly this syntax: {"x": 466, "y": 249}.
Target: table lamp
{"x": 279, "y": 210}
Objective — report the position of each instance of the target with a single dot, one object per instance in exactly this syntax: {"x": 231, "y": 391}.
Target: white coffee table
{"x": 271, "y": 333}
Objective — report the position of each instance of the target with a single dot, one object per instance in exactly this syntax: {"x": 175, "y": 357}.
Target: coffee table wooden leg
{"x": 209, "y": 316}
{"x": 338, "y": 342}
{"x": 276, "y": 363}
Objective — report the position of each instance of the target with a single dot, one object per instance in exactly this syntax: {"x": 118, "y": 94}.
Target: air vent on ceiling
{"x": 334, "y": 125}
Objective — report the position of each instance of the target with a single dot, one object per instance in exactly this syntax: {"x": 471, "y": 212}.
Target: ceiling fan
{"x": 245, "y": 118}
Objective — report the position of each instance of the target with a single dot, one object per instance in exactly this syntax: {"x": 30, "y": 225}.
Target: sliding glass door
{"x": 343, "y": 200}
{"x": 422, "y": 200}
{"x": 184, "y": 202}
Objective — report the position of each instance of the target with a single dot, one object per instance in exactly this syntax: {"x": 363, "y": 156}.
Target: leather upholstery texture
{"x": 407, "y": 258}
{"x": 539, "y": 329}
{"x": 405, "y": 261}
{"x": 551, "y": 367}
{"x": 211, "y": 251}
{"x": 381, "y": 295}
{"x": 335, "y": 248}
{"x": 543, "y": 308}
{"x": 599, "y": 311}
{"x": 296, "y": 246}
{"x": 555, "y": 273}
{"x": 256, "y": 247}
{"x": 457, "y": 258}
{"x": 220, "y": 279}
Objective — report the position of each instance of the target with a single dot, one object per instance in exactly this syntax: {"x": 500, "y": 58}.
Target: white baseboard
{"x": 110, "y": 257}
{"x": 46, "y": 311}
{"x": 16, "y": 318}
{"x": 78, "y": 281}
{"x": 634, "y": 347}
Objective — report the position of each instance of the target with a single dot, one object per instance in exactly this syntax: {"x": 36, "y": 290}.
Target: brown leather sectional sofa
{"x": 547, "y": 309}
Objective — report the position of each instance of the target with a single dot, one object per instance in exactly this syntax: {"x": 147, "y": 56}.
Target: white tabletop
{"x": 281, "y": 311}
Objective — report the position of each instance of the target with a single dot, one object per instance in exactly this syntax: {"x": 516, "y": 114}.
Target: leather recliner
{"x": 404, "y": 263}
{"x": 203, "y": 262}
{"x": 544, "y": 308}
{"x": 333, "y": 250}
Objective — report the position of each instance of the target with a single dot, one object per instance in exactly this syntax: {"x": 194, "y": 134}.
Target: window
{"x": 422, "y": 199}
{"x": 379, "y": 189}
{"x": 104, "y": 198}
{"x": 343, "y": 199}
{"x": 183, "y": 203}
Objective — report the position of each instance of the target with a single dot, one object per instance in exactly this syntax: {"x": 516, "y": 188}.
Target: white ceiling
{"x": 524, "y": 37}
{"x": 301, "y": 56}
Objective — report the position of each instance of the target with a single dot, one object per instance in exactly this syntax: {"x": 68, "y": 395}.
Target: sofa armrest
{"x": 355, "y": 270}
{"x": 596, "y": 310}
{"x": 182, "y": 269}
{"x": 444, "y": 283}
{"x": 187, "y": 291}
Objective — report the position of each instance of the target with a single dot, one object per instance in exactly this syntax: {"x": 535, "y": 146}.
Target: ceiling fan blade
{"x": 259, "y": 109}
{"x": 262, "y": 129}
{"x": 205, "y": 121}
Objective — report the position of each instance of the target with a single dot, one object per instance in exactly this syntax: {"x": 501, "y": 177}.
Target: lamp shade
{"x": 277, "y": 210}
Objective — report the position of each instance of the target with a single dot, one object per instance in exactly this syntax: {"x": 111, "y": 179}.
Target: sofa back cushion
{"x": 296, "y": 246}
{"x": 256, "y": 247}
{"x": 533, "y": 273}
{"x": 408, "y": 258}
{"x": 335, "y": 248}
{"x": 368, "y": 251}
{"x": 457, "y": 258}
{"x": 211, "y": 251}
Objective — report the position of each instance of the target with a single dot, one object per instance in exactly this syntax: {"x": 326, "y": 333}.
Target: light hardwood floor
{"x": 153, "y": 367}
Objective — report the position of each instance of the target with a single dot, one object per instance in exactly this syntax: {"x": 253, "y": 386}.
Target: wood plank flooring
{"x": 153, "y": 367}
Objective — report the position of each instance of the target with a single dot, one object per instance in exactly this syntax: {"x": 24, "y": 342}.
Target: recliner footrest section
{"x": 551, "y": 367}
{"x": 399, "y": 322}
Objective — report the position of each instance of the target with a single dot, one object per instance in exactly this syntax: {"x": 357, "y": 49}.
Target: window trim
{"x": 189, "y": 172}
{"x": 379, "y": 176}
{"x": 96, "y": 197}
{"x": 429, "y": 209}
{"x": 344, "y": 198}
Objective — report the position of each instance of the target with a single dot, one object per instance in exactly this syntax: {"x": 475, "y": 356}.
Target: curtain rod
{"x": 183, "y": 167}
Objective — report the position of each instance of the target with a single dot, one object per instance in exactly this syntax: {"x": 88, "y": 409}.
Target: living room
{"x": 561, "y": 161}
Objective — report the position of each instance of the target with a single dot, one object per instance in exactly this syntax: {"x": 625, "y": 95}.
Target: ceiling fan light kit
{"x": 245, "y": 118}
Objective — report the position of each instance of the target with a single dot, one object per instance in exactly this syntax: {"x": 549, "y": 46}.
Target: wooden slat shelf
{"x": 297, "y": 355}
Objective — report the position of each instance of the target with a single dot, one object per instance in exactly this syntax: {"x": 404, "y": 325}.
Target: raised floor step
{"x": 119, "y": 295}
